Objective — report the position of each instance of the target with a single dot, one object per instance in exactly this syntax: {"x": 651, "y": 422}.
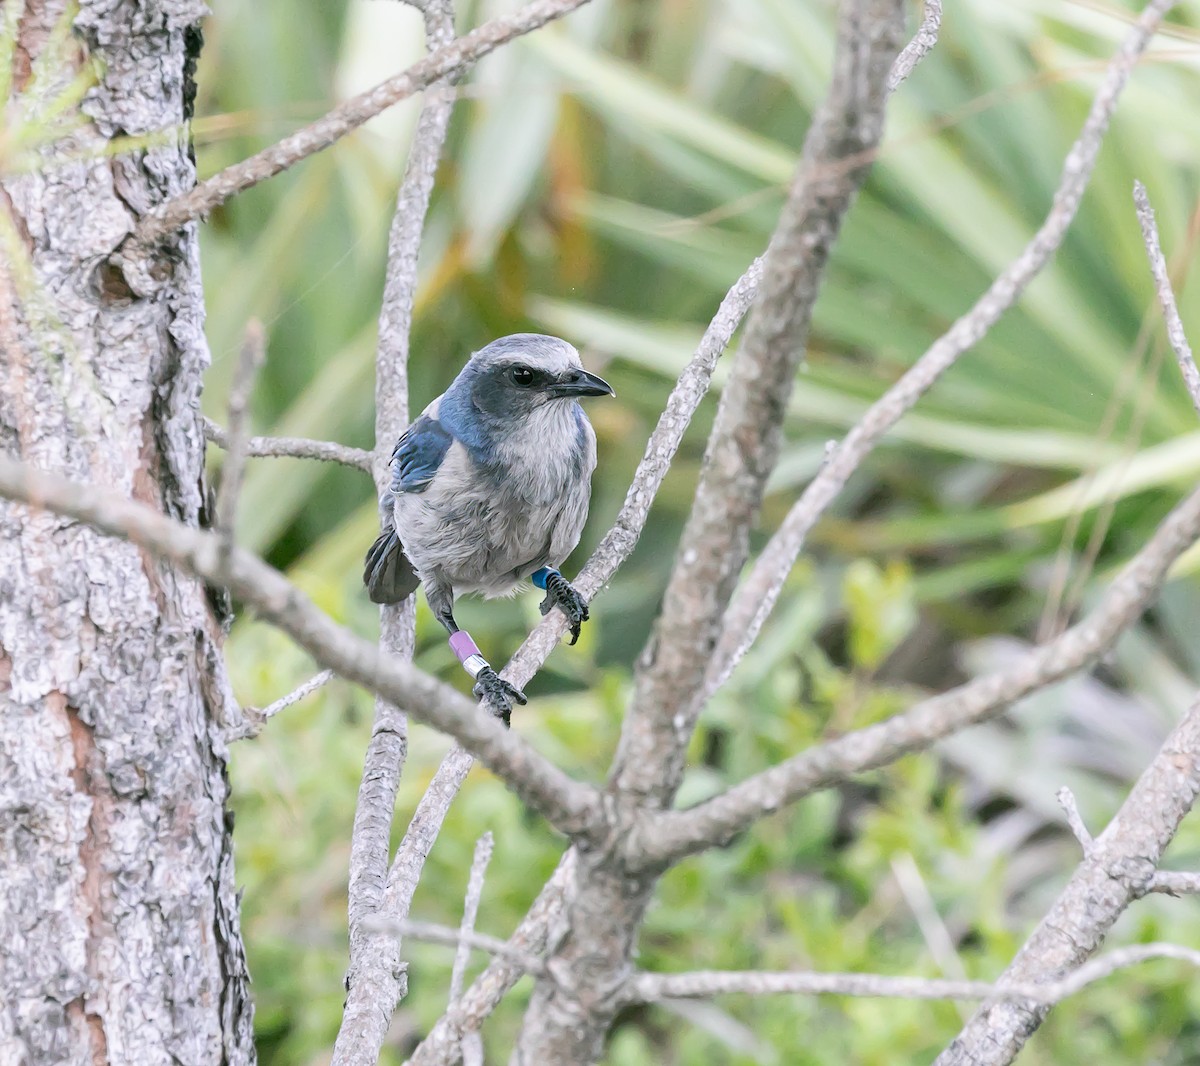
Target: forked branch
{"x": 574, "y": 808}
{"x": 447, "y": 61}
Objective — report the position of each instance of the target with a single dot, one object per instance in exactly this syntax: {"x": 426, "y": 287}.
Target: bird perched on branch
{"x": 490, "y": 487}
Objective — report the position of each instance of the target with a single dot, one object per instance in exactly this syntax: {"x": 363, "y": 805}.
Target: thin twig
{"x": 1166, "y": 295}
{"x": 404, "y": 248}
{"x": 757, "y": 596}
{"x": 1175, "y": 883}
{"x": 375, "y": 979}
{"x": 292, "y": 448}
{"x": 432, "y": 933}
{"x": 255, "y": 718}
{"x": 1066, "y": 800}
{"x": 479, "y": 865}
{"x": 1119, "y": 868}
{"x": 669, "y": 836}
{"x": 444, "y": 1043}
{"x": 572, "y": 807}
{"x": 423, "y": 829}
{"x": 744, "y": 444}
{"x": 613, "y": 550}
{"x": 650, "y": 988}
{"x": 567, "y": 1017}
{"x": 919, "y": 47}
{"x": 448, "y": 60}
{"x": 245, "y": 372}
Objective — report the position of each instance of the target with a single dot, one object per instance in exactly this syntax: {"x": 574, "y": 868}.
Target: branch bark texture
{"x": 744, "y": 444}
{"x": 447, "y": 61}
{"x": 671, "y": 835}
{"x": 1119, "y": 868}
{"x": 571, "y": 1012}
{"x": 651, "y": 988}
{"x": 572, "y": 807}
{"x": 1166, "y": 296}
{"x": 376, "y": 978}
{"x": 292, "y": 447}
{"x": 757, "y": 596}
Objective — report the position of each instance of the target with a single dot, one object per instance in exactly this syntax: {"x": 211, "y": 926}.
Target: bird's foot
{"x": 498, "y": 694}
{"x": 561, "y": 593}
{"x": 489, "y": 686}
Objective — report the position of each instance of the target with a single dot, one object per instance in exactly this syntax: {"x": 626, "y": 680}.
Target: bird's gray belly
{"x": 482, "y": 542}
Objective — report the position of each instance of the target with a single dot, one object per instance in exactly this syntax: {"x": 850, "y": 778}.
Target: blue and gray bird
{"x": 490, "y": 487}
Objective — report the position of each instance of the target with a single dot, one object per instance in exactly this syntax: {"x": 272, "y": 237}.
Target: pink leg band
{"x": 462, "y": 645}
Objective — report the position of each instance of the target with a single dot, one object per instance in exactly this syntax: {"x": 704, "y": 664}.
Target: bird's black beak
{"x": 580, "y": 383}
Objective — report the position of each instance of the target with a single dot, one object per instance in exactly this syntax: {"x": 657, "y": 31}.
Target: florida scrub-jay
{"x": 490, "y": 486}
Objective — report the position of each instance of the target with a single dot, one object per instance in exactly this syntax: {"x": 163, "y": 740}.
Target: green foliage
{"x": 879, "y": 610}
{"x": 608, "y": 179}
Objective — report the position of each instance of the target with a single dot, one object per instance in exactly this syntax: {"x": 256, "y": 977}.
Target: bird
{"x": 490, "y": 487}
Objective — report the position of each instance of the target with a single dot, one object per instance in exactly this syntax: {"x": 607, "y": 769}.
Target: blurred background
{"x": 607, "y": 179}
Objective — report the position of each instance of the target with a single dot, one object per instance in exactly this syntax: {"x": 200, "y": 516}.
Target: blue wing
{"x": 418, "y": 454}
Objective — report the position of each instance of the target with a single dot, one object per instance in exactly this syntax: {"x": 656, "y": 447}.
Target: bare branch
{"x": 1166, "y": 295}
{"x": 250, "y": 360}
{"x": 432, "y": 933}
{"x": 404, "y": 247}
{"x": 744, "y": 443}
{"x": 1175, "y": 883}
{"x": 293, "y": 448}
{"x": 755, "y": 599}
{"x": 650, "y": 988}
{"x": 572, "y": 807}
{"x": 618, "y": 543}
{"x": 445, "y": 62}
{"x": 443, "y": 1046}
{"x": 255, "y": 718}
{"x": 919, "y": 47}
{"x": 479, "y": 865}
{"x": 1066, "y": 800}
{"x": 920, "y": 902}
{"x": 472, "y": 1050}
{"x": 568, "y": 1016}
{"x": 423, "y": 830}
{"x": 1119, "y": 868}
{"x": 613, "y": 550}
{"x": 371, "y": 833}
{"x": 668, "y": 836}
{"x": 375, "y": 980}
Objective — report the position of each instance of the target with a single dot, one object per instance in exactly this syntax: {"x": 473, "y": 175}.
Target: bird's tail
{"x": 387, "y": 572}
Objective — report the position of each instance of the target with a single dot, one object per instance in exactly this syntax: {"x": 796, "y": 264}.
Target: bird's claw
{"x": 561, "y": 593}
{"x": 497, "y": 693}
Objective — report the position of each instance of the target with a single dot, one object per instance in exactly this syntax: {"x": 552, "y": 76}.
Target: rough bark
{"x": 117, "y": 903}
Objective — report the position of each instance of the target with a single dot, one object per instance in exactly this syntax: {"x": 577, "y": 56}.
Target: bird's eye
{"x": 521, "y": 376}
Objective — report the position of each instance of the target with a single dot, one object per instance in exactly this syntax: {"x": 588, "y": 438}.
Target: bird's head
{"x": 513, "y": 376}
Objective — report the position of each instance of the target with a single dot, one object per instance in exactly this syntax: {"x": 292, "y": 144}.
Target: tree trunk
{"x": 118, "y": 913}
